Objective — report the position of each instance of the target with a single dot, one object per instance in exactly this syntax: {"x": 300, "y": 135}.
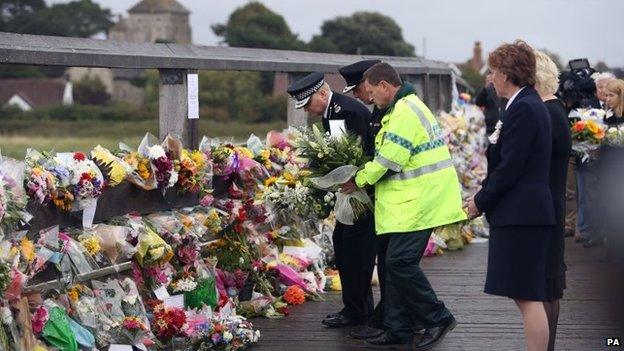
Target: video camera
{"x": 577, "y": 89}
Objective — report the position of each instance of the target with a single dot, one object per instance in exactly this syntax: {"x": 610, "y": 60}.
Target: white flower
{"x": 227, "y": 336}
{"x": 187, "y": 284}
{"x": 7, "y": 317}
{"x": 494, "y": 137}
{"x": 155, "y": 152}
{"x": 173, "y": 179}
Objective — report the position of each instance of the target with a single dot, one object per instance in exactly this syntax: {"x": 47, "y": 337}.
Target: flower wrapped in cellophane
{"x": 332, "y": 161}
{"x": 225, "y": 333}
{"x": 586, "y": 138}
{"x": 152, "y": 250}
{"x": 118, "y": 169}
{"x": 86, "y": 181}
{"x": 12, "y": 206}
{"x": 192, "y": 170}
{"x": 47, "y": 180}
{"x": 614, "y": 137}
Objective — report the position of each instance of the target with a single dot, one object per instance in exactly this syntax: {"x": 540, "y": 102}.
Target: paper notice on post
{"x": 193, "y": 95}
{"x": 337, "y": 127}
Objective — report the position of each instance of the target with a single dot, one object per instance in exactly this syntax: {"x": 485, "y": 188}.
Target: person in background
{"x": 611, "y": 174}
{"x": 355, "y": 246}
{"x": 490, "y": 103}
{"x": 601, "y": 80}
{"x": 515, "y": 195}
{"x": 546, "y": 84}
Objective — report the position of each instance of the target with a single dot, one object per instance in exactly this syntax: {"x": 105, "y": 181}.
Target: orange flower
{"x": 294, "y": 295}
{"x": 578, "y": 126}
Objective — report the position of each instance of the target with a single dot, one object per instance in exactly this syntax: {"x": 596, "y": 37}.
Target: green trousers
{"x": 410, "y": 299}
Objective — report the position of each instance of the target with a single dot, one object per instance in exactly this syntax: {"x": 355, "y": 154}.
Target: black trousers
{"x": 410, "y": 300}
{"x": 377, "y": 318}
{"x": 355, "y": 247}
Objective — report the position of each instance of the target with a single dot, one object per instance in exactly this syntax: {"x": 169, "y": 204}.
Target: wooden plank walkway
{"x": 485, "y": 322}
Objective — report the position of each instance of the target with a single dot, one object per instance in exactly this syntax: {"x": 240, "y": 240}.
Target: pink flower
{"x": 39, "y": 320}
{"x": 207, "y": 200}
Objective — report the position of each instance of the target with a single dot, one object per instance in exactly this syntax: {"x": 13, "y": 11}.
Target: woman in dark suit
{"x": 546, "y": 84}
{"x": 515, "y": 196}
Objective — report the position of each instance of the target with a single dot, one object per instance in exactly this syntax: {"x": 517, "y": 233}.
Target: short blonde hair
{"x": 546, "y": 74}
{"x": 616, "y": 87}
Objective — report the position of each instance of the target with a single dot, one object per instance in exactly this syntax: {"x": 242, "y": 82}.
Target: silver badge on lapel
{"x": 337, "y": 108}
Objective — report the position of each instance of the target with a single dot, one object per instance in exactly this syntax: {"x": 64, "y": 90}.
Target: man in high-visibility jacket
{"x": 416, "y": 190}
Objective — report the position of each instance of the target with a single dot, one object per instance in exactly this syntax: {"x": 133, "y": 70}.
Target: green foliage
{"x": 472, "y": 77}
{"x": 79, "y": 18}
{"x": 20, "y": 71}
{"x": 256, "y": 26}
{"x": 363, "y": 33}
{"x": 90, "y": 91}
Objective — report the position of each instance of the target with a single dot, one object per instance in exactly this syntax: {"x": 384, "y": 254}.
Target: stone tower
{"x": 154, "y": 21}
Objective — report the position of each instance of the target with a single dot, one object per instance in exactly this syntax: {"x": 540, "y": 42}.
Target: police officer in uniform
{"x": 422, "y": 193}
{"x": 354, "y": 245}
{"x": 353, "y": 75}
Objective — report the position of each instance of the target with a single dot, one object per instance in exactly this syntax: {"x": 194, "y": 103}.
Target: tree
{"x": 256, "y": 26}
{"x": 368, "y": 33}
{"x": 601, "y": 66}
{"x": 90, "y": 91}
{"x": 79, "y": 18}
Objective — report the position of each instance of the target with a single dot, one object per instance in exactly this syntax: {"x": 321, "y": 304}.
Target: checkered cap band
{"x": 308, "y": 92}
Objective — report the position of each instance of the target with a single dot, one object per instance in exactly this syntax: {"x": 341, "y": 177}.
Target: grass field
{"x": 17, "y": 136}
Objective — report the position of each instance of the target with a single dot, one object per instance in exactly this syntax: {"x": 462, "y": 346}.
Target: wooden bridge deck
{"x": 485, "y": 322}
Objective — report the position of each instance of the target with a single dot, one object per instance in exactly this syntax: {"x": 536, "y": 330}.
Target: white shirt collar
{"x": 331, "y": 93}
{"x": 513, "y": 98}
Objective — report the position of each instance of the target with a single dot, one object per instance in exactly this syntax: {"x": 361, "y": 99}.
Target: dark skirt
{"x": 518, "y": 262}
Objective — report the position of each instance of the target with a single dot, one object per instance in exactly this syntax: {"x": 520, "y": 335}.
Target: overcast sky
{"x": 571, "y": 28}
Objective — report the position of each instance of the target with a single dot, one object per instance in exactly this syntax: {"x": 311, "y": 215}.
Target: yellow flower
{"x": 592, "y": 127}
{"x": 28, "y": 249}
{"x": 198, "y": 158}
{"x": 143, "y": 169}
{"x": 91, "y": 245}
{"x": 73, "y": 295}
{"x": 270, "y": 181}
{"x": 244, "y": 152}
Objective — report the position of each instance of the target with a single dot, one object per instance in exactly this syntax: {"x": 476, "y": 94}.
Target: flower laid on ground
{"x": 39, "y": 319}
{"x": 12, "y": 207}
{"x": 225, "y": 160}
{"x": 294, "y": 295}
{"x": 232, "y": 334}
{"x": 168, "y": 322}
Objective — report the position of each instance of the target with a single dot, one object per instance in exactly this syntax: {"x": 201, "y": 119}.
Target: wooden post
{"x": 173, "y": 106}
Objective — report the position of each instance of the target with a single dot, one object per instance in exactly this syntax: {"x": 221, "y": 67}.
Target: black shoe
{"x": 581, "y": 239}
{"x": 334, "y": 315}
{"x": 341, "y": 321}
{"x": 433, "y": 336}
{"x": 366, "y": 333}
{"x": 594, "y": 242}
{"x": 387, "y": 341}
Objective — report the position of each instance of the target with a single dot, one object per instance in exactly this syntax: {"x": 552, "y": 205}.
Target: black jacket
{"x": 492, "y": 106}
{"x": 516, "y": 190}
{"x": 354, "y": 113}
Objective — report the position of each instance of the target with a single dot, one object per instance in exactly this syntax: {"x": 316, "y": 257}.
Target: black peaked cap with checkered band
{"x": 302, "y": 89}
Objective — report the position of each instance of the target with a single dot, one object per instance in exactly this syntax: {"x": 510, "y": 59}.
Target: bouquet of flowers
{"x": 614, "y": 136}
{"x": 12, "y": 207}
{"x": 86, "y": 181}
{"x": 191, "y": 171}
{"x": 141, "y": 174}
{"x": 47, "y": 180}
{"x": 586, "y": 138}
{"x": 118, "y": 169}
{"x": 334, "y": 161}
{"x": 166, "y": 175}
{"x": 224, "y": 160}
{"x": 168, "y": 322}
{"x": 231, "y": 333}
